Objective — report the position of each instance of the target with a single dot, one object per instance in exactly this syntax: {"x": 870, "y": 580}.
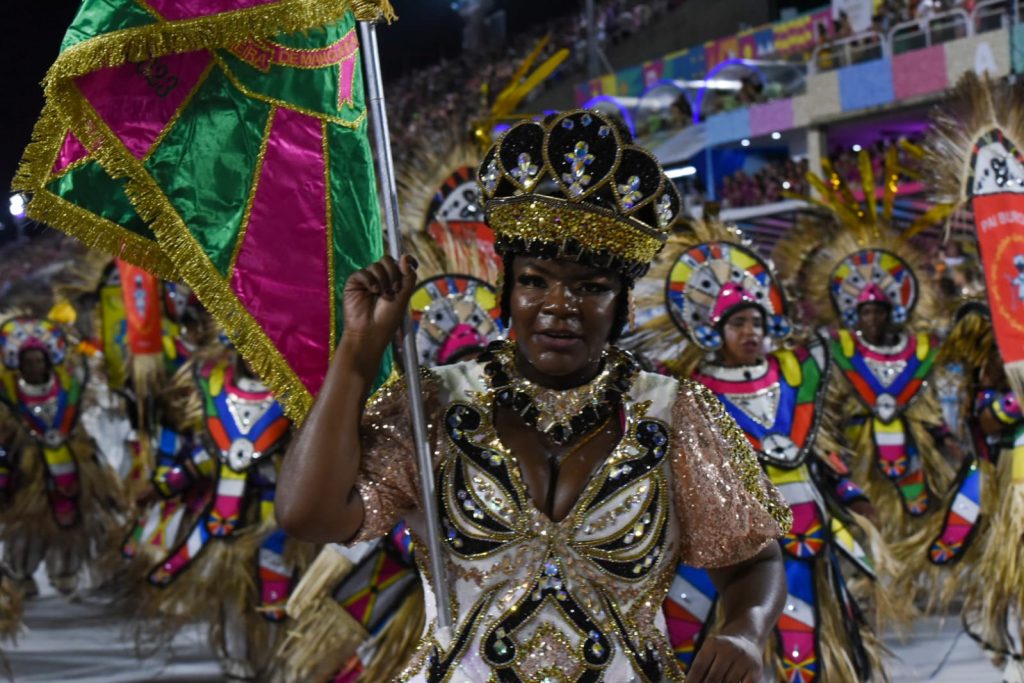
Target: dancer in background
{"x": 234, "y": 568}
{"x": 883, "y": 354}
{"x": 62, "y": 502}
{"x": 727, "y": 301}
{"x": 979, "y": 546}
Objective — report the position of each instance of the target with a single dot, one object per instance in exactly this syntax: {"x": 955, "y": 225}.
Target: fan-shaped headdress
{"x": 713, "y": 279}
{"x": 22, "y": 333}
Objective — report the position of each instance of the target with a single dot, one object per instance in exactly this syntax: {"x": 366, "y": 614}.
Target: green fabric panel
{"x": 836, "y": 349}
{"x": 312, "y": 89}
{"x": 206, "y": 163}
{"x": 355, "y": 211}
{"x": 926, "y": 364}
{"x": 92, "y": 189}
{"x": 812, "y": 381}
{"x": 96, "y": 17}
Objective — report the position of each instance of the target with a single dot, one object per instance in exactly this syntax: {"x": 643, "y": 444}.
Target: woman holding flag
{"x": 569, "y": 482}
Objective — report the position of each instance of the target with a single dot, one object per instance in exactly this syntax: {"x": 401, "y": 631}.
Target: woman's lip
{"x": 556, "y": 343}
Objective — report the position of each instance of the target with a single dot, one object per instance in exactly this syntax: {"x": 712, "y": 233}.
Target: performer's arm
{"x": 730, "y": 519}
{"x": 752, "y": 595}
{"x": 316, "y": 496}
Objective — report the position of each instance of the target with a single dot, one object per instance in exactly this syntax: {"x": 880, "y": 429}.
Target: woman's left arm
{"x": 752, "y": 595}
{"x": 730, "y": 519}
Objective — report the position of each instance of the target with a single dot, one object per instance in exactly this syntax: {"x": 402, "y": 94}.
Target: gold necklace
{"x": 560, "y": 414}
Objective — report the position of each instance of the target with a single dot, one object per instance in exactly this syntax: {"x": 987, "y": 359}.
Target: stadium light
{"x": 776, "y": 135}
{"x": 857, "y": 148}
{"x": 681, "y": 172}
{"x": 17, "y": 205}
{"x": 744, "y": 142}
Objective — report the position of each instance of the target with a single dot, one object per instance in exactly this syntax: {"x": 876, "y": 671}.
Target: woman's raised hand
{"x": 375, "y": 301}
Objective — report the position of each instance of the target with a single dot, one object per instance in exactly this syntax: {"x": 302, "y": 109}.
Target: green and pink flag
{"x": 222, "y": 143}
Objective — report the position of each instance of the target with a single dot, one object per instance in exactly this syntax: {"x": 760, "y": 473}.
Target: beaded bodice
{"x": 579, "y": 599}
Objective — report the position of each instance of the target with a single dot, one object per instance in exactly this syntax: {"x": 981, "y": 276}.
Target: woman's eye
{"x": 530, "y": 280}
{"x": 594, "y": 288}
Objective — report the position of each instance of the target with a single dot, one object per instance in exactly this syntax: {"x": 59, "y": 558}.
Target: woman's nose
{"x": 560, "y": 300}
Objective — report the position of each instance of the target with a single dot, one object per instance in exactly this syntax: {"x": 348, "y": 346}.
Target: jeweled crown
{"x": 576, "y": 187}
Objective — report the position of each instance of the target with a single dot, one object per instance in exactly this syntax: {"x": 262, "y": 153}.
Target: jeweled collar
{"x": 37, "y": 390}
{"x": 562, "y": 415}
{"x": 738, "y": 373}
{"x": 898, "y": 347}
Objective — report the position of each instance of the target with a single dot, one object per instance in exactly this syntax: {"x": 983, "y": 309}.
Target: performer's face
{"x": 743, "y": 337}
{"x": 562, "y": 314}
{"x": 873, "y": 322}
{"x": 34, "y": 366}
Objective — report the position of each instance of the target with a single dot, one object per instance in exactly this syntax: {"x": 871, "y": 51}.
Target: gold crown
{"x": 575, "y": 187}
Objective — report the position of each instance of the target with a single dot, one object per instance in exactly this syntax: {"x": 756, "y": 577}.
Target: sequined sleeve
{"x": 388, "y": 478}
{"x": 727, "y": 508}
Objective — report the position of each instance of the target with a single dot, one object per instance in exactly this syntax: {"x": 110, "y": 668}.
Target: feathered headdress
{"x": 866, "y": 260}
{"x": 702, "y": 275}
{"x": 974, "y": 158}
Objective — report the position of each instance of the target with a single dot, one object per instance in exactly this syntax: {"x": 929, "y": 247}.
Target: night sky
{"x": 427, "y": 30}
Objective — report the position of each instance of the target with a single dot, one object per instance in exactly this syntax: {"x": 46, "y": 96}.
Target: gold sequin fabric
{"x": 548, "y": 220}
{"x": 535, "y": 599}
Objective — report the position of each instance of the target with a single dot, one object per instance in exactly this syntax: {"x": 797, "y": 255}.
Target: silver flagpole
{"x": 386, "y": 169}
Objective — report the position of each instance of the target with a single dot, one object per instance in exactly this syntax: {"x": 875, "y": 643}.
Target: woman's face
{"x": 743, "y": 337}
{"x": 873, "y": 322}
{"x": 562, "y": 314}
{"x": 34, "y": 366}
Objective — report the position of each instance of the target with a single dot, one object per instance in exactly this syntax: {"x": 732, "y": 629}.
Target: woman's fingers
{"x": 383, "y": 279}
{"x": 363, "y": 279}
{"x": 698, "y": 672}
{"x": 408, "y": 266}
{"x": 394, "y": 274}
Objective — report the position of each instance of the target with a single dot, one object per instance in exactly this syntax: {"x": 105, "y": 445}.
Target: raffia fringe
{"x": 322, "y": 636}
{"x": 995, "y": 587}
{"x": 11, "y": 609}
{"x": 397, "y": 642}
{"x": 836, "y": 648}
{"x": 890, "y": 607}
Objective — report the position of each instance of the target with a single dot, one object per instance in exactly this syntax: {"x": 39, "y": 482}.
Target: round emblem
{"x": 885, "y": 407}
{"x": 241, "y": 455}
{"x": 53, "y": 438}
{"x": 780, "y": 447}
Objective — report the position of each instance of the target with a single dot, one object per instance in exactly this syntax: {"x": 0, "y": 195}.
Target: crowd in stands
{"x": 867, "y": 44}
{"x": 25, "y": 263}
{"x": 447, "y": 96}
{"x": 766, "y": 185}
{"x": 775, "y": 179}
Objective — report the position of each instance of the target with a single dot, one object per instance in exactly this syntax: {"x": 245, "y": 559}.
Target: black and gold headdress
{"x": 575, "y": 187}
